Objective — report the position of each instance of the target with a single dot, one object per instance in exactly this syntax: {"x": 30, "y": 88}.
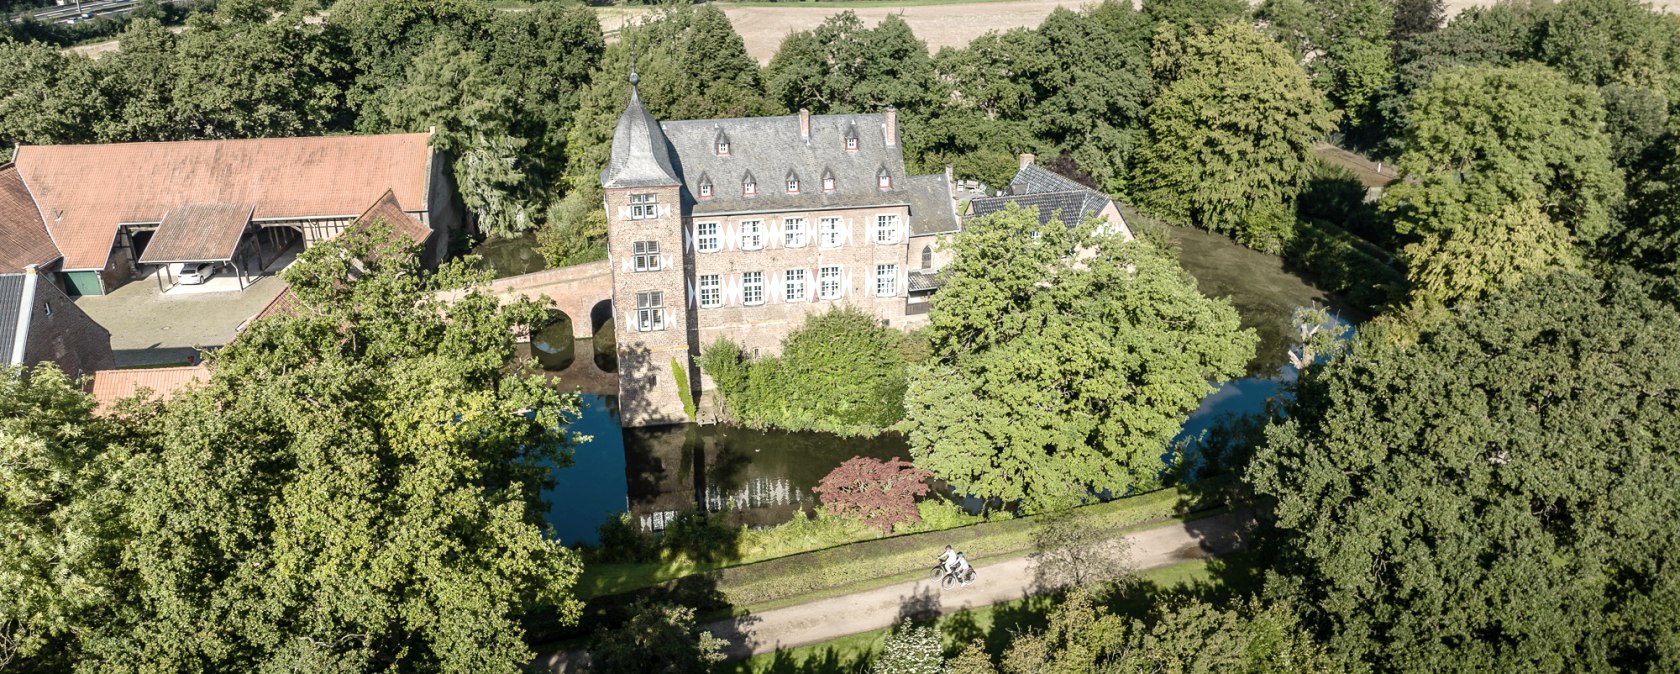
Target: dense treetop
{"x": 1498, "y": 496}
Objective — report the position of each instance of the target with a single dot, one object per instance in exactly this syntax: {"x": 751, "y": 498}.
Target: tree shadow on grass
{"x": 826, "y": 661}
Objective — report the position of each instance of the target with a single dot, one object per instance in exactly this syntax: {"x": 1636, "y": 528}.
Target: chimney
{"x": 805, "y": 124}
{"x": 892, "y": 126}
{"x": 1026, "y": 159}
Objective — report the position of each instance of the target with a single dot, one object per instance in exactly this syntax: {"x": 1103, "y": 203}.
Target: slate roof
{"x": 85, "y": 191}
{"x": 110, "y": 386}
{"x": 920, "y": 281}
{"x": 11, "y": 299}
{"x": 1069, "y": 208}
{"x": 770, "y": 147}
{"x": 402, "y": 222}
{"x": 1033, "y": 179}
{"x": 199, "y": 233}
{"x": 23, "y": 239}
{"x": 640, "y": 156}
{"x": 931, "y": 208}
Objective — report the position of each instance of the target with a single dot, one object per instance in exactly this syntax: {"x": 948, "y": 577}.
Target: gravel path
{"x": 829, "y": 619}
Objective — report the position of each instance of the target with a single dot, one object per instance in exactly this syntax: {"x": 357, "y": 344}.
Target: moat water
{"x": 765, "y": 476}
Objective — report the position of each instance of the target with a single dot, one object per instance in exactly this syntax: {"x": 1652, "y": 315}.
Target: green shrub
{"x": 804, "y": 533}
{"x": 841, "y": 373}
{"x": 938, "y": 514}
{"x": 701, "y": 537}
{"x": 622, "y": 542}
{"x": 680, "y": 374}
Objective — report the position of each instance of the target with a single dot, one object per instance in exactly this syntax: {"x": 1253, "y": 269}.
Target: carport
{"x": 199, "y": 233}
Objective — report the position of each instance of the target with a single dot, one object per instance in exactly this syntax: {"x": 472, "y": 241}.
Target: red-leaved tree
{"x": 881, "y": 493}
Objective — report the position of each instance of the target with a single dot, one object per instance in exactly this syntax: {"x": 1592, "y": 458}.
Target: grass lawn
{"x": 780, "y": 576}
{"x": 994, "y": 624}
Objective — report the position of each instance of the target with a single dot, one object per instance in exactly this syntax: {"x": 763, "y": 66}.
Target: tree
{"x": 1648, "y": 235}
{"x": 545, "y": 57}
{"x": 383, "y": 37}
{"x": 1067, "y": 553}
{"x": 456, "y": 93}
{"x": 1512, "y": 169}
{"x": 1096, "y": 88}
{"x": 879, "y": 493}
{"x": 48, "y": 97}
{"x": 1182, "y": 637}
{"x": 1056, "y": 375}
{"x": 841, "y": 372}
{"x": 659, "y": 639}
{"x": 1413, "y": 18}
{"x": 1184, "y": 14}
{"x": 1524, "y": 438}
{"x": 356, "y": 487}
{"x": 1227, "y": 142}
{"x": 842, "y": 66}
{"x": 1601, "y": 42}
{"x": 58, "y": 509}
{"x": 236, "y": 79}
{"x": 910, "y": 649}
{"x": 136, "y": 85}
{"x": 1634, "y": 117}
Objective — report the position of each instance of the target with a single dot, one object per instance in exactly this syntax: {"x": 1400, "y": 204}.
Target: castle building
{"x": 741, "y": 228}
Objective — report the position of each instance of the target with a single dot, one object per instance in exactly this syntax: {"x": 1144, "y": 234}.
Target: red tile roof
{"x": 199, "y": 233}
{"x": 403, "y": 223}
{"x": 85, "y": 191}
{"x": 23, "y": 239}
{"x": 109, "y": 386}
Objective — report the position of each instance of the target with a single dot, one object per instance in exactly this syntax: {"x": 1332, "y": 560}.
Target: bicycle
{"x": 951, "y": 580}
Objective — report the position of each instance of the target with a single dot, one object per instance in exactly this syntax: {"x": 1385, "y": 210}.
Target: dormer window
{"x": 828, "y": 182}
{"x": 851, "y": 143}
{"x": 749, "y": 187}
{"x": 721, "y": 143}
{"x": 851, "y": 138}
{"x": 705, "y": 186}
{"x": 883, "y": 180}
{"x": 792, "y": 183}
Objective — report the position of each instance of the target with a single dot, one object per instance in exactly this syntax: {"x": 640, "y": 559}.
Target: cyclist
{"x": 949, "y": 559}
{"x": 962, "y": 569}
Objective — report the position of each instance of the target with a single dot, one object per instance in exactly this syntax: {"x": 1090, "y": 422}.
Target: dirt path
{"x": 829, "y": 619}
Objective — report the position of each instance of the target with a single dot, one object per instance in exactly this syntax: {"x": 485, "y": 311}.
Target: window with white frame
{"x": 752, "y": 287}
{"x": 711, "y": 291}
{"x": 749, "y": 187}
{"x": 883, "y": 180}
{"x": 752, "y": 234}
{"x": 886, "y": 280}
{"x": 851, "y": 142}
{"x": 793, "y": 282}
{"x": 706, "y": 237}
{"x": 828, "y": 282}
{"x": 645, "y": 256}
{"x": 642, "y": 207}
{"x": 829, "y": 229}
{"x": 706, "y": 190}
{"x": 793, "y": 185}
{"x": 793, "y": 232}
{"x": 886, "y": 229}
{"x": 828, "y": 183}
{"x": 650, "y": 311}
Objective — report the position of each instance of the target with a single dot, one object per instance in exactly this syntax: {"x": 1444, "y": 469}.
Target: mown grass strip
{"x": 755, "y": 581}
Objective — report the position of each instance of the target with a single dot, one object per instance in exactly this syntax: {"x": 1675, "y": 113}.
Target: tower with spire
{"x": 646, "y": 247}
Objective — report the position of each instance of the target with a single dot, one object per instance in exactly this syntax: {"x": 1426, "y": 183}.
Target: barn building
{"x": 116, "y": 211}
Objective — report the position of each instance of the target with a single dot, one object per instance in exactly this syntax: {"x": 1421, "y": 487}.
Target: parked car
{"x": 194, "y": 274}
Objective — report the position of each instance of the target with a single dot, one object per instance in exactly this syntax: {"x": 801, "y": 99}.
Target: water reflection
{"x": 593, "y": 487}
{"x": 760, "y": 477}
{"x": 510, "y": 257}
{"x": 554, "y": 346}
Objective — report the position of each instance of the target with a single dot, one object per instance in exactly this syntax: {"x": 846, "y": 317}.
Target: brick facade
{"x": 60, "y": 332}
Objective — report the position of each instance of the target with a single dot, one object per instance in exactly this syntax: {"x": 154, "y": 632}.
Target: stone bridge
{"x": 583, "y": 292}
